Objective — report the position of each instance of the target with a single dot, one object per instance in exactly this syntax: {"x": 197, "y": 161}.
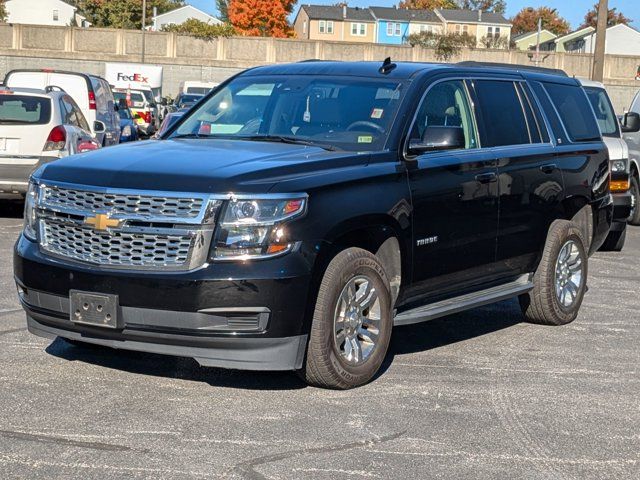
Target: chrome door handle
{"x": 487, "y": 177}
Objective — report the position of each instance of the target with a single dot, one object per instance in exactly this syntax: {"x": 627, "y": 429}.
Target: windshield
{"x": 347, "y": 113}
{"x": 137, "y": 99}
{"x": 198, "y": 90}
{"x": 606, "y": 117}
{"x": 188, "y": 99}
{"x": 24, "y": 110}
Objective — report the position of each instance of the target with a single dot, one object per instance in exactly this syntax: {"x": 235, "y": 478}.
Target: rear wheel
{"x": 561, "y": 278}
{"x": 352, "y": 322}
{"x": 634, "y": 218}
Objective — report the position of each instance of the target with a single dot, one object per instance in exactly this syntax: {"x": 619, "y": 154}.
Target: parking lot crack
{"x": 32, "y": 437}
{"x": 248, "y": 469}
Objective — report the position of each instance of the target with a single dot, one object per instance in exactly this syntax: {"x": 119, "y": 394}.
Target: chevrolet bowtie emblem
{"x": 102, "y": 222}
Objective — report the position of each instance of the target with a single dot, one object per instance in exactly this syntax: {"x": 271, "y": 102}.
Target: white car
{"x": 36, "y": 127}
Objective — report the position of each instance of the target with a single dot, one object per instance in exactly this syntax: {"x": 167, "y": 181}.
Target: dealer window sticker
{"x": 377, "y": 113}
{"x": 365, "y": 139}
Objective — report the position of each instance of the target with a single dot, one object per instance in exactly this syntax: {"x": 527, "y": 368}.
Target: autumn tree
{"x": 496, "y": 6}
{"x": 427, "y": 4}
{"x": 527, "y": 21}
{"x": 613, "y": 18}
{"x": 261, "y": 18}
{"x": 122, "y": 13}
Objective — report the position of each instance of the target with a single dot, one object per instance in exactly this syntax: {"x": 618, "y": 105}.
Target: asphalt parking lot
{"x": 474, "y": 395}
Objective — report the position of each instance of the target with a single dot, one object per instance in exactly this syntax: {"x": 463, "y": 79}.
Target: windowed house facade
{"x": 334, "y": 23}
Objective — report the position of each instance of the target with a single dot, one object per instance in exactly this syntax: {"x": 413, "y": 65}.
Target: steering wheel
{"x": 366, "y": 124}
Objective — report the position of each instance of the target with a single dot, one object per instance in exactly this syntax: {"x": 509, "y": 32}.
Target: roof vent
{"x": 479, "y": 15}
{"x": 344, "y": 11}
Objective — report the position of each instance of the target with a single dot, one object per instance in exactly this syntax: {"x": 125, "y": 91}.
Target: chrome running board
{"x": 465, "y": 302}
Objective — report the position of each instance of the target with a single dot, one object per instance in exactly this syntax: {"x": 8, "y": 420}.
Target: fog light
{"x": 618, "y": 186}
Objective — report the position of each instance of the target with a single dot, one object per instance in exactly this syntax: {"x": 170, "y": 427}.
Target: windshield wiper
{"x": 188, "y": 135}
{"x": 286, "y": 139}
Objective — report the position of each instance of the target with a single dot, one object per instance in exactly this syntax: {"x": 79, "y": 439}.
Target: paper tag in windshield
{"x": 365, "y": 139}
{"x": 377, "y": 113}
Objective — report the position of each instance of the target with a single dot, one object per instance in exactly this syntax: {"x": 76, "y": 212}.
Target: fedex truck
{"x": 135, "y": 76}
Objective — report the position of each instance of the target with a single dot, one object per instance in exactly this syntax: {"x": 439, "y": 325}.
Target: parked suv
{"x": 631, "y": 134}
{"x": 618, "y": 158}
{"x": 299, "y": 212}
{"x": 37, "y": 127}
{"x": 140, "y": 107}
{"x": 91, "y": 93}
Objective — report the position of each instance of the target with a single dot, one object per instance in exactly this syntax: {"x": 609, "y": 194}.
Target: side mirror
{"x": 631, "y": 122}
{"x": 99, "y": 127}
{"x": 438, "y": 138}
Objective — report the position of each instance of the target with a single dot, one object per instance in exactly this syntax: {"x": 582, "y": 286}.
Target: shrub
{"x": 446, "y": 45}
{"x": 199, "y": 29}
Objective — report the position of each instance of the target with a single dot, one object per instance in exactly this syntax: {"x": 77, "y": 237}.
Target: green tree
{"x": 203, "y": 30}
{"x": 446, "y": 45}
{"x": 122, "y": 13}
{"x": 496, "y": 6}
{"x": 223, "y": 10}
{"x": 527, "y": 21}
{"x": 3, "y": 11}
{"x": 613, "y": 18}
{"x": 427, "y": 4}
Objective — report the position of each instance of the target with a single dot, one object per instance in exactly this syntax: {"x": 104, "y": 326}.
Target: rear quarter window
{"x": 24, "y": 110}
{"x": 575, "y": 111}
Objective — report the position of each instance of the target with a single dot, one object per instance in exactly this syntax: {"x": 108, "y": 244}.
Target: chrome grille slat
{"x": 122, "y": 204}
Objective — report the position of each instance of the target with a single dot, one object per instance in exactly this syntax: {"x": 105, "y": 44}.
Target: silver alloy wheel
{"x": 356, "y": 324}
{"x": 568, "y": 274}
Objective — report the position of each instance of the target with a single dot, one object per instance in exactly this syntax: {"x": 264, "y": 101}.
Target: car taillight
{"x": 57, "y": 139}
{"x": 92, "y": 100}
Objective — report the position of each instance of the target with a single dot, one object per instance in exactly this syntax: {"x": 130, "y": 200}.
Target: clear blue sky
{"x": 572, "y": 10}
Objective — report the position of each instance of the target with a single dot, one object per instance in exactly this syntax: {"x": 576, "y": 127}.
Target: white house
{"x": 621, "y": 40}
{"x": 44, "y": 12}
{"x": 181, "y": 15}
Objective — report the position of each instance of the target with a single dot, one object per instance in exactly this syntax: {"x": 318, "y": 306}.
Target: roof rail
{"x": 510, "y": 66}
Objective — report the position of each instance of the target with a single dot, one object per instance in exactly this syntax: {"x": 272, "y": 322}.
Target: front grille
{"x": 115, "y": 248}
{"x": 121, "y": 203}
{"x": 153, "y": 231}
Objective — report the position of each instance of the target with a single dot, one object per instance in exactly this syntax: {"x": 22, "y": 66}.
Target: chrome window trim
{"x": 524, "y": 113}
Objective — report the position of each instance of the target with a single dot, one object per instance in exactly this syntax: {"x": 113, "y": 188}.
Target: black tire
{"x": 615, "y": 240}
{"x": 634, "y": 218}
{"x": 542, "y": 305}
{"x": 324, "y": 364}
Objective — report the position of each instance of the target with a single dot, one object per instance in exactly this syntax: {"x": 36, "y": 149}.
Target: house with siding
{"x": 336, "y": 23}
{"x": 181, "y": 15}
{"x": 571, "y": 42}
{"x": 394, "y": 25}
{"x": 528, "y": 41}
{"x": 44, "y": 12}
{"x": 476, "y": 23}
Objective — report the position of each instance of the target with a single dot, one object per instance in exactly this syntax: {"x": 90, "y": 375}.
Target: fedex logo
{"x": 136, "y": 77}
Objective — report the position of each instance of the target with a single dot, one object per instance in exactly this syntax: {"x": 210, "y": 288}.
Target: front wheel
{"x": 634, "y": 218}
{"x": 560, "y": 281}
{"x": 352, "y": 322}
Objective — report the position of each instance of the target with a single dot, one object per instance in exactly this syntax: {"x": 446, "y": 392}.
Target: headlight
{"x": 30, "y": 221}
{"x": 126, "y": 131}
{"x": 254, "y": 228}
{"x": 618, "y": 166}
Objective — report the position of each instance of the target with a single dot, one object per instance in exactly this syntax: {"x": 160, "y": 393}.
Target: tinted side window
{"x": 446, "y": 105}
{"x": 552, "y": 116}
{"x": 68, "y": 111}
{"x": 574, "y": 110}
{"x": 606, "y": 117}
{"x": 501, "y": 113}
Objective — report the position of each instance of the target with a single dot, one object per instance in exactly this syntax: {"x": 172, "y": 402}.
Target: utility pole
{"x": 601, "y": 36}
{"x": 144, "y": 26}
{"x": 538, "y": 41}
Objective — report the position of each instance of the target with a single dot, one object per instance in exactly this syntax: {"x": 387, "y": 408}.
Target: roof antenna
{"x": 387, "y": 66}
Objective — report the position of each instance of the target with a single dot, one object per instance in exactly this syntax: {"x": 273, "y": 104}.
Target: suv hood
{"x": 197, "y": 165}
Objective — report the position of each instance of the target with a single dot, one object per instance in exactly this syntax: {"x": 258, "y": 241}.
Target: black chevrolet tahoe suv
{"x": 300, "y": 211}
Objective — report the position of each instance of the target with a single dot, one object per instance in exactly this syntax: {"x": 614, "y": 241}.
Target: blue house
{"x": 392, "y": 24}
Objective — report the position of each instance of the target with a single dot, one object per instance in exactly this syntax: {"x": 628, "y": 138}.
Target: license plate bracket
{"x": 94, "y": 309}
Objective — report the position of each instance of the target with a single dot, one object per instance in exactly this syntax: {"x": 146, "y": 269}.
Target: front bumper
{"x": 248, "y": 316}
{"x": 622, "y": 204}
